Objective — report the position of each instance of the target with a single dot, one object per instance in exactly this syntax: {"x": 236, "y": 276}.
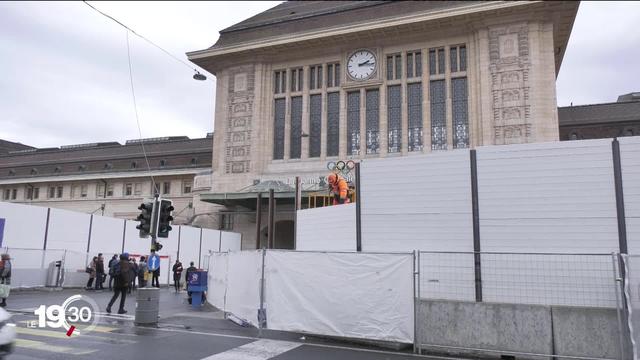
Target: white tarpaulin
{"x": 217, "y": 284}
{"x": 244, "y": 270}
{"x": 354, "y": 295}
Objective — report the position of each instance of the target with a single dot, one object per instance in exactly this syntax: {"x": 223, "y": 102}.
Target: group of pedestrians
{"x": 95, "y": 269}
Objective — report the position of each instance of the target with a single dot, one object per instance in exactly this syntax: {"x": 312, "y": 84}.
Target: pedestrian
{"x": 134, "y": 274}
{"x": 190, "y": 269}
{"x": 177, "y": 274}
{"x": 91, "y": 269}
{"x": 142, "y": 271}
{"x": 5, "y": 276}
{"x": 114, "y": 259}
{"x": 154, "y": 268}
{"x": 122, "y": 272}
{"x": 99, "y": 272}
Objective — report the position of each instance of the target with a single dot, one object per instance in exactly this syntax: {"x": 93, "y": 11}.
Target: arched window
{"x": 573, "y": 136}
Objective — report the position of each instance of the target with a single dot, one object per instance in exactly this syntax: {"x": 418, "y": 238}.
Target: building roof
{"x": 8, "y": 146}
{"x": 163, "y": 153}
{"x": 599, "y": 113}
{"x": 314, "y": 23}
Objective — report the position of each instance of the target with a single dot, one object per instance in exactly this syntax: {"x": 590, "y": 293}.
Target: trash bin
{"x": 197, "y": 286}
{"x": 147, "y": 306}
{"x": 53, "y": 274}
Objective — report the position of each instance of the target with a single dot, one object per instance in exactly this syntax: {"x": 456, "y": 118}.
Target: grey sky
{"x": 66, "y": 78}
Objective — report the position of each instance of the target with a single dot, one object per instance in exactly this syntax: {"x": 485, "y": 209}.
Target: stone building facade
{"x": 111, "y": 179}
{"x": 307, "y": 83}
{"x": 597, "y": 121}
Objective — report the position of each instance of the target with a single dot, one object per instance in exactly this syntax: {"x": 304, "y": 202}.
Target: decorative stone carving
{"x": 240, "y": 111}
{"x": 509, "y": 66}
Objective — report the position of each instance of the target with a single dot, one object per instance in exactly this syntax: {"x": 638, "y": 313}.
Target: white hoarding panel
{"x": 243, "y": 289}
{"x": 68, "y": 230}
{"x": 106, "y": 235}
{"x": 189, "y": 245}
{"x": 230, "y": 241}
{"x": 630, "y": 162}
{"x": 331, "y": 228}
{"x": 417, "y": 203}
{"x": 24, "y": 225}
{"x": 547, "y": 197}
{"x": 355, "y": 295}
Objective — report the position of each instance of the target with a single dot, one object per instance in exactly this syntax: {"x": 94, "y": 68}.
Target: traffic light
{"x": 165, "y": 218}
{"x": 156, "y": 246}
{"x": 145, "y": 217}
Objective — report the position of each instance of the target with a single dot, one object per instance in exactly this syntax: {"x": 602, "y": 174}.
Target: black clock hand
{"x": 364, "y": 63}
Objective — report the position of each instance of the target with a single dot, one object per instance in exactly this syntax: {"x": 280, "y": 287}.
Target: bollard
{"x": 147, "y": 306}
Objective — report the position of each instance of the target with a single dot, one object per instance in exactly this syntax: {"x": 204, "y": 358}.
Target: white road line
{"x": 258, "y": 350}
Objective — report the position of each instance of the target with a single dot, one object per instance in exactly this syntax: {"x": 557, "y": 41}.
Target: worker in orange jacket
{"x": 339, "y": 189}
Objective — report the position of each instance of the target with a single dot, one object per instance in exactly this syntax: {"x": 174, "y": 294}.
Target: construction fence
{"x": 529, "y": 305}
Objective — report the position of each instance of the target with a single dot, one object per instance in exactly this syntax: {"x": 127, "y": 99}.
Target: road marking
{"x": 257, "y": 350}
{"x": 39, "y": 345}
{"x": 61, "y": 335}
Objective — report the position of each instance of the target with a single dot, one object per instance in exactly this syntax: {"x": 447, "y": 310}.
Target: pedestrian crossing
{"x": 258, "y": 350}
{"x": 57, "y": 342}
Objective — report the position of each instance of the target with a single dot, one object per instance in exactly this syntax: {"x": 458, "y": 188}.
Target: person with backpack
{"x": 142, "y": 270}
{"x": 113, "y": 260}
{"x": 122, "y": 275}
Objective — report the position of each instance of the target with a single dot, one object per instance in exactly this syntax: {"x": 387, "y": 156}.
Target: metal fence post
{"x": 417, "y": 334}
{"x": 262, "y": 315}
{"x": 415, "y": 306}
{"x": 617, "y": 280}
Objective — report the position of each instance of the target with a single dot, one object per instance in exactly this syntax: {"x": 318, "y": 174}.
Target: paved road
{"x": 182, "y": 333}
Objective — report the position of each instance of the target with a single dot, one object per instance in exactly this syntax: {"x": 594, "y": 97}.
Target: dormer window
{"x": 34, "y": 171}
{"x": 57, "y": 169}
{"x": 108, "y": 166}
{"x": 163, "y": 163}
{"x": 134, "y": 164}
{"x": 12, "y": 172}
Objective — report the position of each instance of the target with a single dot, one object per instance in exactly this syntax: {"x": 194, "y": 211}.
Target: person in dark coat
{"x": 177, "y": 274}
{"x": 91, "y": 269}
{"x": 142, "y": 270}
{"x": 112, "y": 262}
{"x": 99, "y": 272}
{"x": 190, "y": 269}
{"x": 122, "y": 274}
{"x": 5, "y": 274}
{"x": 134, "y": 274}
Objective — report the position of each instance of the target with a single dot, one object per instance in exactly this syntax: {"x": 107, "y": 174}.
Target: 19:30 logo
{"x": 76, "y": 315}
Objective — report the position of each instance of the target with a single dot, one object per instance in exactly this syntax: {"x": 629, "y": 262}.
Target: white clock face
{"x": 361, "y": 64}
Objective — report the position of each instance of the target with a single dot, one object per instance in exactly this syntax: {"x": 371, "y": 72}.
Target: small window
{"x": 458, "y": 58}
{"x": 573, "y": 136}
{"x": 187, "y": 187}
{"x": 296, "y": 79}
{"x": 57, "y": 169}
{"x": 7, "y": 194}
{"x": 52, "y": 192}
{"x": 166, "y": 187}
{"x": 12, "y": 172}
{"x": 333, "y": 75}
{"x": 137, "y": 189}
{"x": 100, "y": 190}
{"x": 108, "y": 166}
{"x": 36, "y": 193}
{"x": 134, "y": 164}
{"x": 82, "y": 167}
{"x": 34, "y": 171}
{"x": 128, "y": 189}
{"x": 394, "y": 67}
{"x": 280, "y": 82}
{"x": 14, "y": 194}
{"x": 83, "y": 191}
{"x": 436, "y": 61}
{"x": 29, "y": 193}
{"x": 163, "y": 163}
{"x": 109, "y": 190}
{"x": 194, "y": 161}
{"x": 59, "y": 192}
{"x": 226, "y": 222}
{"x": 414, "y": 64}
{"x": 74, "y": 191}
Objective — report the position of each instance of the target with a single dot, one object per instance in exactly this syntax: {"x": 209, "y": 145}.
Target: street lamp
{"x": 199, "y": 77}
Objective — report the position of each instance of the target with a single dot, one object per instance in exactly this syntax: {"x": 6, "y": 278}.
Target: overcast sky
{"x": 65, "y": 75}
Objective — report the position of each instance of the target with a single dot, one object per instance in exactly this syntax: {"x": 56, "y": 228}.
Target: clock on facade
{"x": 361, "y": 64}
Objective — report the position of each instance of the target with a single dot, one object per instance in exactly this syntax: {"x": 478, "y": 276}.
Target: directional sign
{"x": 154, "y": 262}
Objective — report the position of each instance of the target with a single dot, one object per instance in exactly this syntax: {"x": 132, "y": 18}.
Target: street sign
{"x": 154, "y": 262}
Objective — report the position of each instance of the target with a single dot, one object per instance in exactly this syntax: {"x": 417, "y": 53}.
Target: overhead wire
{"x": 144, "y": 38}
{"x": 135, "y": 109}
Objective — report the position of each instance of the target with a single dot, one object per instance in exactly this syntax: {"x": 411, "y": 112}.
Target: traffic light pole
{"x": 154, "y": 221}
